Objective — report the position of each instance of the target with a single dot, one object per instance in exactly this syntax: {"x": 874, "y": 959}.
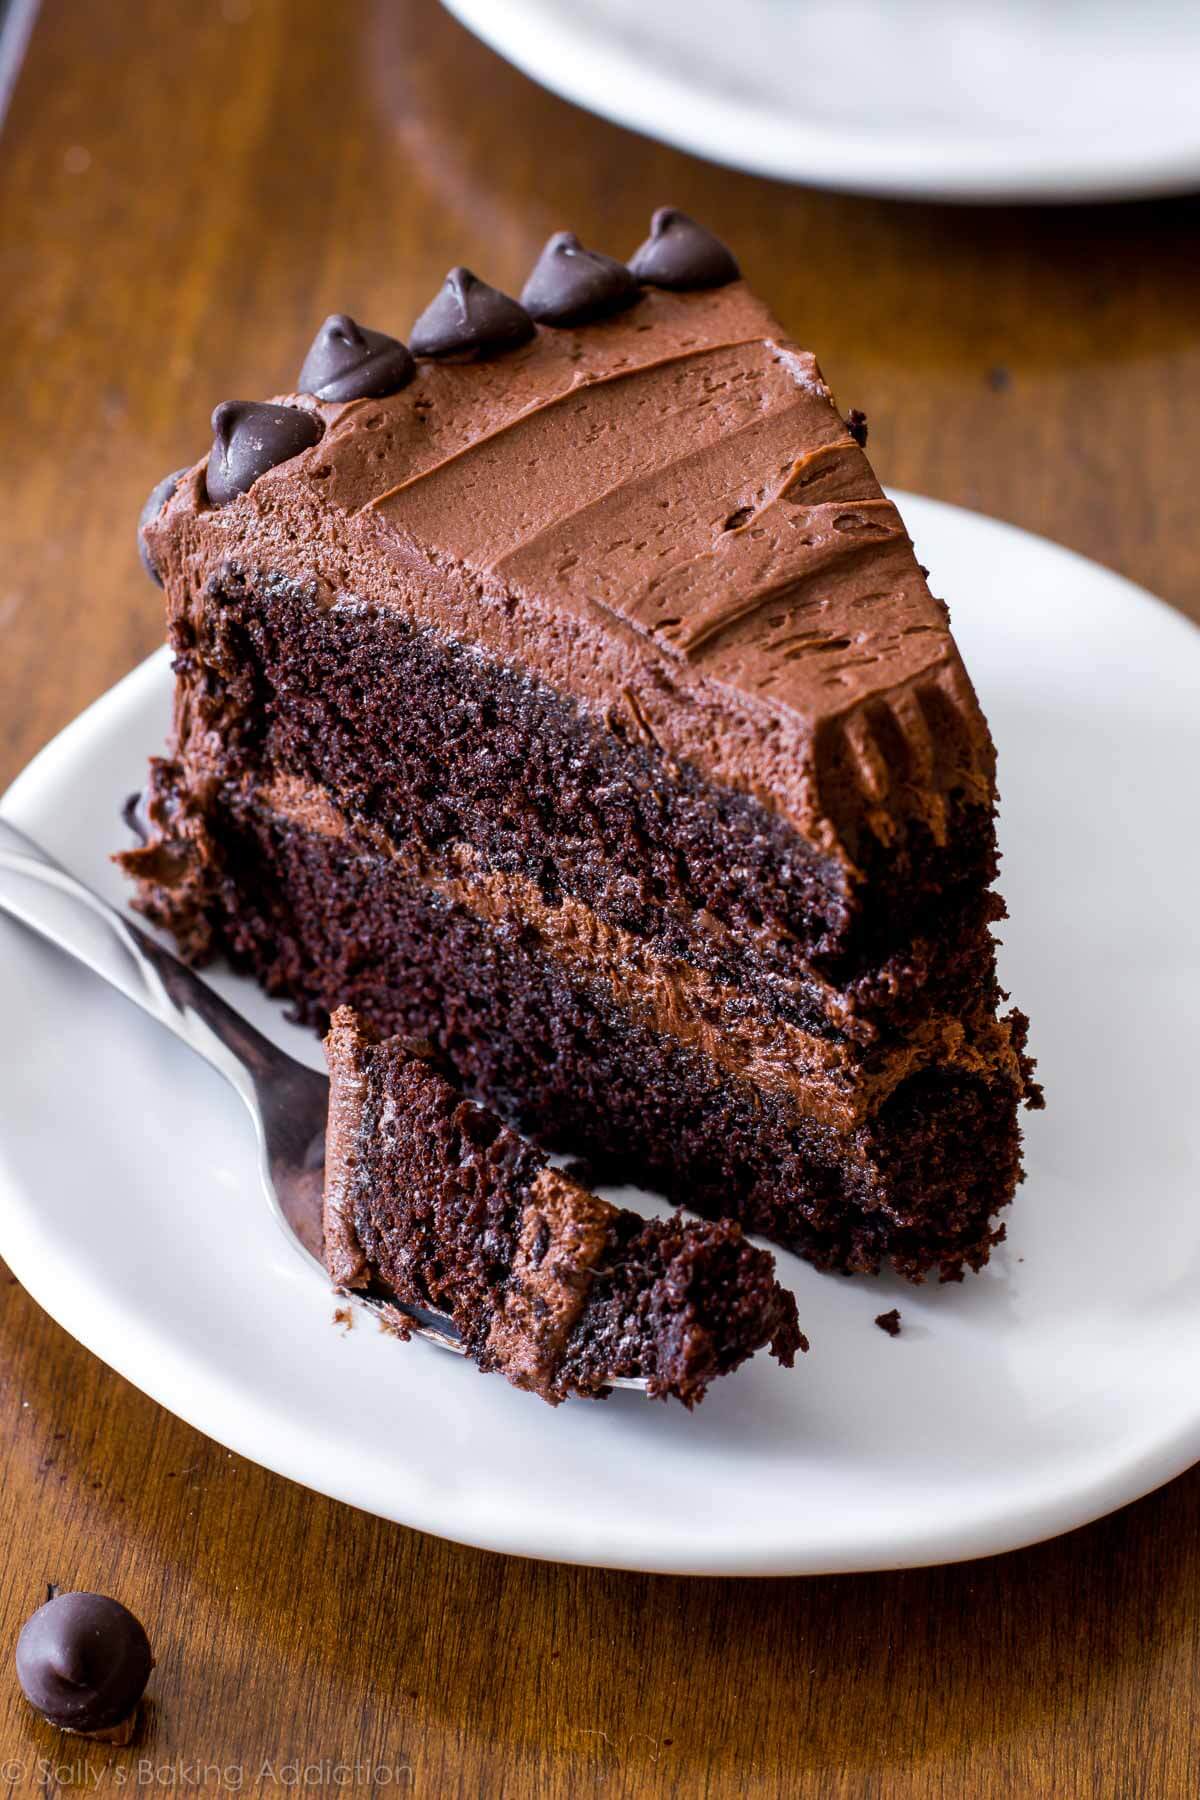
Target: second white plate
{"x": 1062, "y": 1382}
{"x": 939, "y": 99}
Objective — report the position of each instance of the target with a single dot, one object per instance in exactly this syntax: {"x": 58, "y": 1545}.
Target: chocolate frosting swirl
{"x": 348, "y": 361}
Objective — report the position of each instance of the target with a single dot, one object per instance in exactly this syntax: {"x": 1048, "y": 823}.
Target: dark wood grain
{"x": 184, "y": 192}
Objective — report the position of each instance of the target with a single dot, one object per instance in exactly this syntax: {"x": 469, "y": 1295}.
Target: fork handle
{"x": 49, "y": 900}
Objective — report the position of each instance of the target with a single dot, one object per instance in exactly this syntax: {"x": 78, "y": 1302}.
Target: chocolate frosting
{"x": 681, "y": 254}
{"x": 564, "y": 1232}
{"x": 347, "y": 361}
{"x": 825, "y": 1079}
{"x": 573, "y": 286}
{"x": 345, "y": 1052}
{"x": 466, "y": 317}
{"x": 250, "y": 437}
{"x": 662, "y": 515}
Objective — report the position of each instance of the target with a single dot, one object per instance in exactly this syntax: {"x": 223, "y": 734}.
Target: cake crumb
{"x": 344, "y": 1316}
{"x": 393, "y": 1324}
{"x": 890, "y": 1322}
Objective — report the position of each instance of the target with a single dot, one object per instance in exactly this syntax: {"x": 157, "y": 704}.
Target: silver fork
{"x": 287, "y": 1102}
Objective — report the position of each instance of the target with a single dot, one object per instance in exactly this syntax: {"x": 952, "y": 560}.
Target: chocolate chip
{"x": 570, "y": 285}
{"x": 347, "y": 361}
{"x": 466, "y": 317}
{"x": 856, "y": 425}
{"x": 136, "y": 815}
{"x": 251, "y": 437}
{"x": 83, "y": 1661}
{"x": 540, "y": 1244}
{"x": 890, "y": 1322}
{"x": 681, "y": 254}
{"x": 156, "y": 499}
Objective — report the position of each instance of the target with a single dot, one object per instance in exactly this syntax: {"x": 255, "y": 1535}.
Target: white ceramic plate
{"x": 943, "y": 99}
{"x": 1062, "y": 1382}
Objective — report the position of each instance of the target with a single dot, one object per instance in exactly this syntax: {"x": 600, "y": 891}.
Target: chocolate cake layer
{"x": 326, "y": 921}
{"x": 537, "y": 788}
{"x": 823, "y": 1074}
{"x": 431, "y": 1201}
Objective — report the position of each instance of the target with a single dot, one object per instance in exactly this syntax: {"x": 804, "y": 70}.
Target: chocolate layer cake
{"x": 569, "y": 697}
{"x": 432, "y": 1201}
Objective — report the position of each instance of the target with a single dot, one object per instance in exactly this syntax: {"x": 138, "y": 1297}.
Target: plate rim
{"x": 177, "y": 1377}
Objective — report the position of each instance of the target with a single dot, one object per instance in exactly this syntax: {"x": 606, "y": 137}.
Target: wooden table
{"x": 185, "y": 191}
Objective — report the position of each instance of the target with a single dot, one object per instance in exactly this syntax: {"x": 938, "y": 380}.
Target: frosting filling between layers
{"x": 824, "y": 1079}
{"x": 563, "y": 1233}
{"x": 323, "y": 920}
{"x": 347, "y": 1092}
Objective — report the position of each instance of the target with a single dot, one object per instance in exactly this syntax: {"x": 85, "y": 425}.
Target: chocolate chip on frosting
{"x": 251, "y": 437}
{"x": 681, "y": 254}
{"x": 570, "y": 285}
{"x": 466, "y": 317}
{"x": 156, "y": 499}
{"x": 83, "y": 1661}
{"x": 348, "y": 361}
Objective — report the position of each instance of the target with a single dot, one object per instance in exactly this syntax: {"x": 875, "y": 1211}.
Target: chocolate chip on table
{"x": 466, "y": 318}
{"x": 571, "y": 286}
{"x": 250, "y": 437}
{"x": 83, "y": 1661}
{"x": 890, "y": 1322}
{"x": 156, "y": 499}
{"x": 348, "y": 361}
{"x": 681, "y": 254}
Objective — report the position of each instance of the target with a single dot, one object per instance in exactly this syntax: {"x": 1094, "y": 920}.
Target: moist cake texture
{"x": 432, "y": 1202}
{"x": 571, "y": 699}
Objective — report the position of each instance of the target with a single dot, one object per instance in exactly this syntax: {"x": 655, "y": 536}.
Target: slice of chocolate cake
{"x": 433, "y": 1202}
{"x": 571, "y": 698}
